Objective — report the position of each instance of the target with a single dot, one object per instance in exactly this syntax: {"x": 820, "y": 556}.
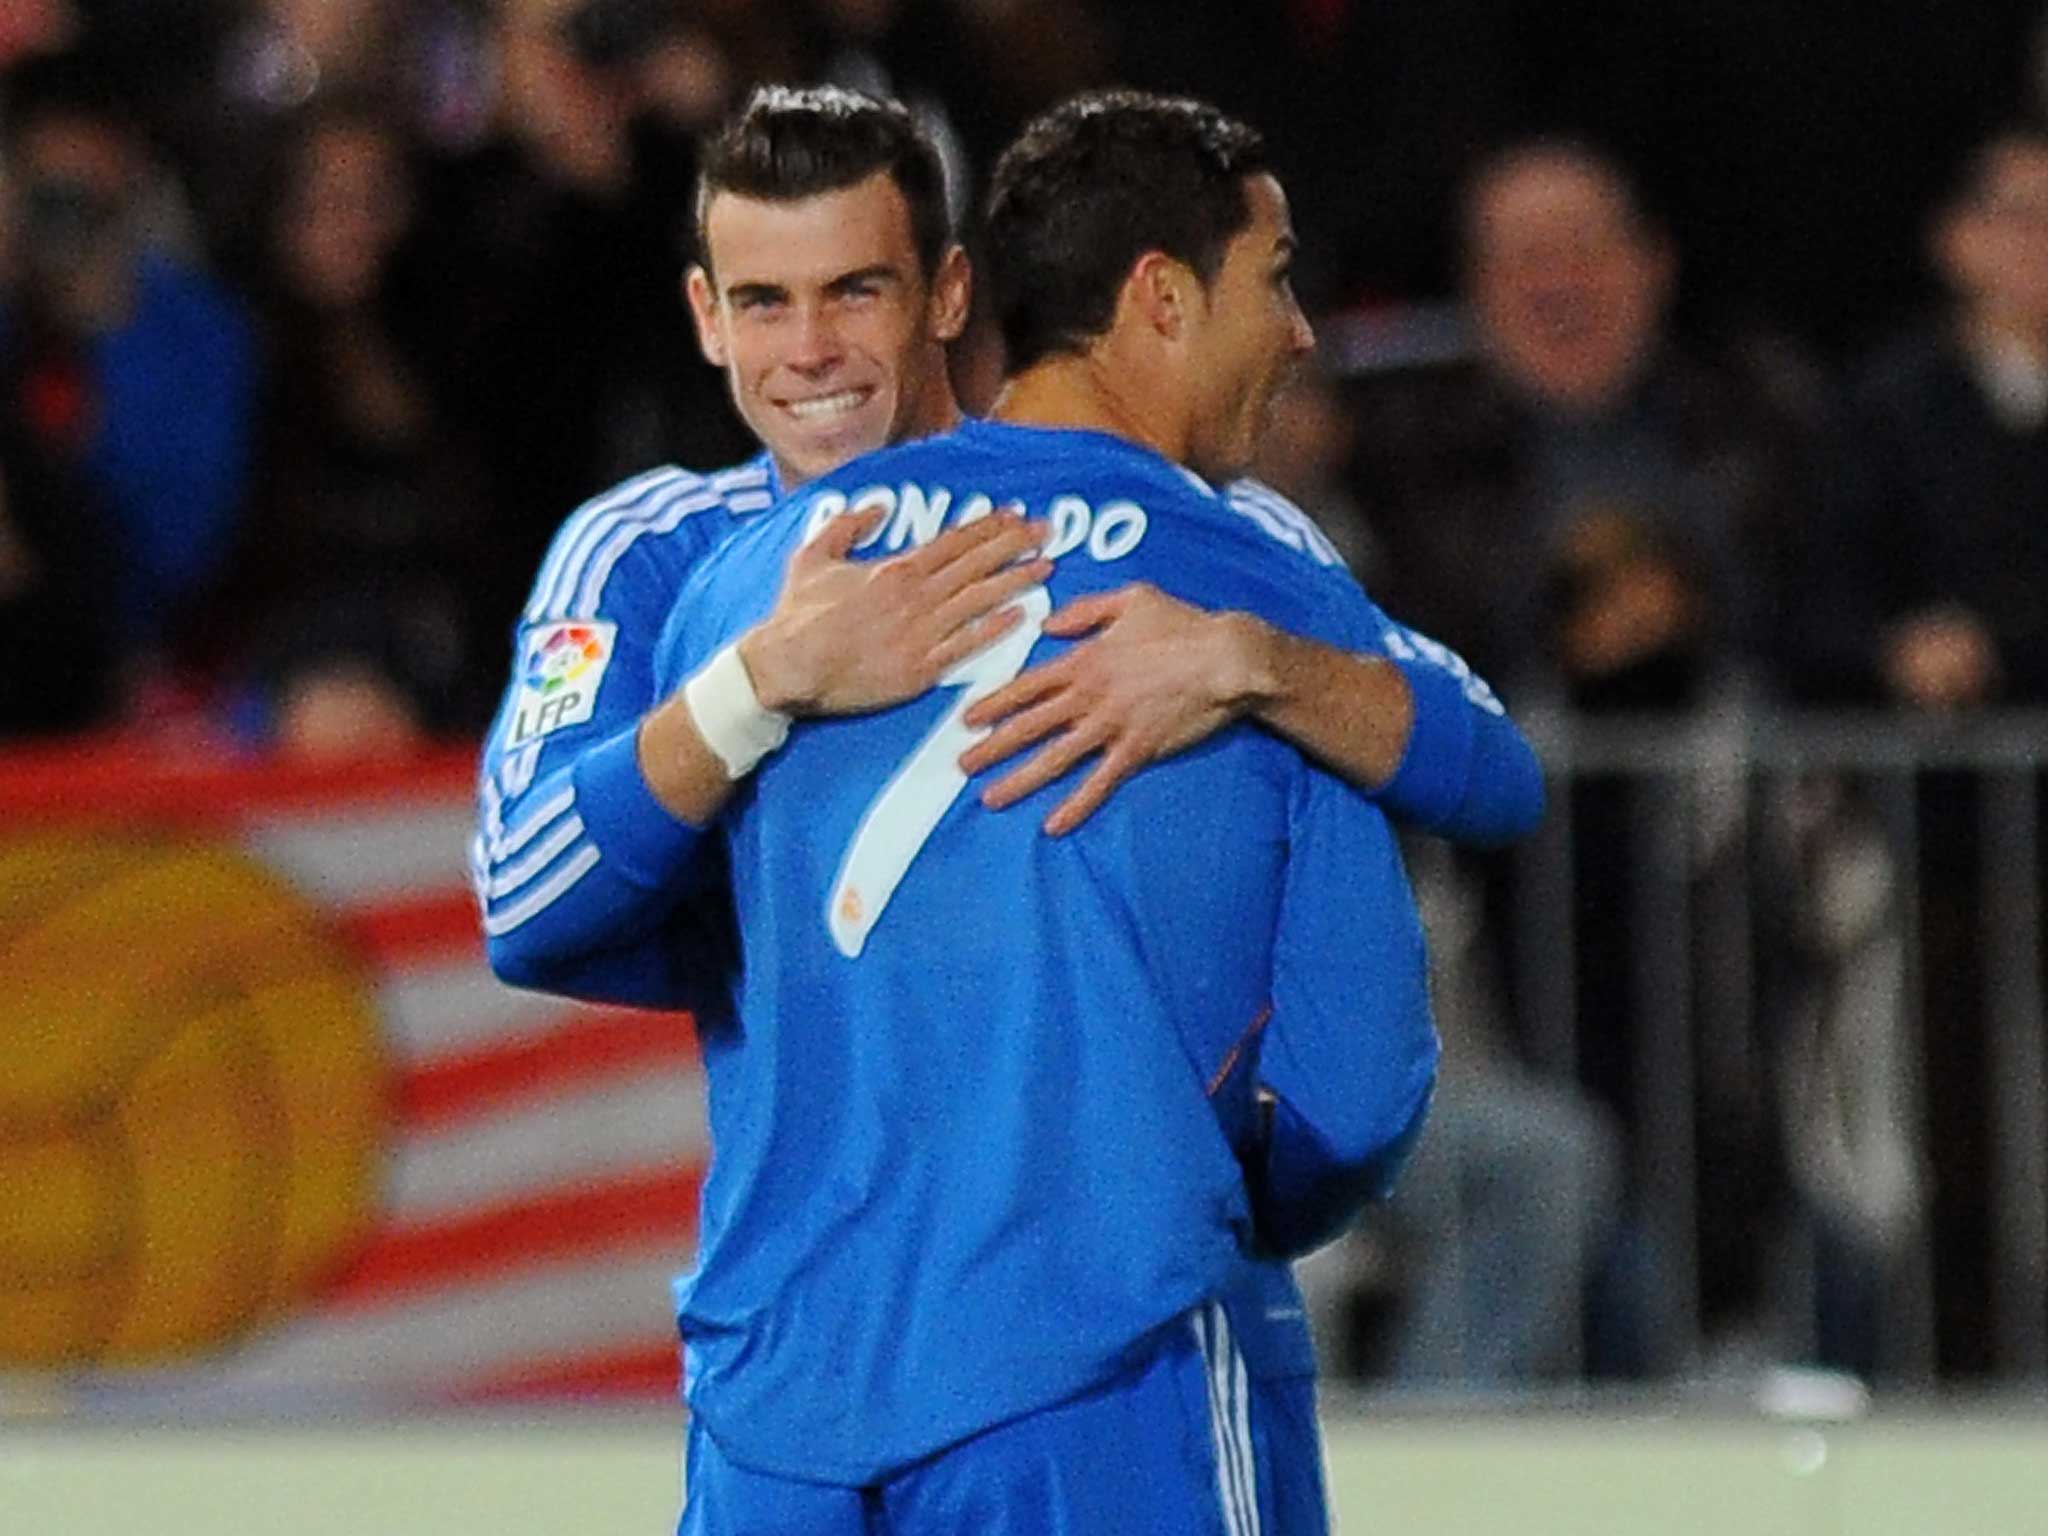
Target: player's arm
{"x": 1347, "y": 1058}
{"x": 588, "y": 858}
{"x": 1393, "y": 713}
{"x": 846, "y": 636}
{"x": 568, "y": 903}
{"x": 576, "y": 895}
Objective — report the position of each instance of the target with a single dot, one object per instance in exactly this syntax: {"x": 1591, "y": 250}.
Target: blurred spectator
{"x": 424, "y": 59}
{"x": 1923, "y": 589}
{"x": 559, "y": 247}
{"x": 1588, "y": 508}
{"x": 1590, "y": 504}
{"x": 35, "y": 26}
{"x": 351, "y": 578}
{"x": 1928, "y": 577}
{"x": 1489, "y": 1245}
{"x": 973, "y": 74}
{"x": 1369, "y": 108}
{"x": 159, "y": 60}
{"x": 104, "y": 330}
{"x": 1493, "y": 1241}
{"x": 290, "y": 51}
{"x": 53, "y": 613}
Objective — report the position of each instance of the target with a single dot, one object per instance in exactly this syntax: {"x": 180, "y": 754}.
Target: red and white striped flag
{"x": 268, "y": 1126}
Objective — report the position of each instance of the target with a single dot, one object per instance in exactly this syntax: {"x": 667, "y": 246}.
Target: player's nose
{"x": 1303, "y": 339}
{"x": 814, "y": 342}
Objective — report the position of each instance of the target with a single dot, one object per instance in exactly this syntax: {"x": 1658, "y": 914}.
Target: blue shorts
{"x": 1179, "y": 1445}
{"x": 1287, "y": 1451}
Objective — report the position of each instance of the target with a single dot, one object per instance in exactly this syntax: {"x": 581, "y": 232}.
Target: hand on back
{"x": 848, "y": 635}
{"x": 1155, "y": 676}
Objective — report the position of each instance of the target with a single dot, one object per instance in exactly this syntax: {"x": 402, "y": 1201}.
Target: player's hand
{"x": 848, "y": 636}
{"x": 1157, "y": 676}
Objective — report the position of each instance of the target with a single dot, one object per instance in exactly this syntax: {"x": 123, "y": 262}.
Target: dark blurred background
{"x": 441, "y": 239}
{"x": 1684, "y": 368}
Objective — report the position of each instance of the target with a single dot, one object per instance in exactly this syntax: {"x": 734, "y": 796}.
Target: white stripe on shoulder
{"x": 660, "y": 504}
{"x": 544, "y": 895}
{"x": 1282, "y": 519}
{"x": 662, "y": 518}
{"x": 741, "y": 477}
{"x": 1248, "y": 506}
{"x": 572, "y": 541}
{"x": 1256, "y": 493}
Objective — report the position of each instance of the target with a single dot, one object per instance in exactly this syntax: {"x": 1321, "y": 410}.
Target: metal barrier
{"x": 1787, "y": 887}
{"x": 1739, "y": 827}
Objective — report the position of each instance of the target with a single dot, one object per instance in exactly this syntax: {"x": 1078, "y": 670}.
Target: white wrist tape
{"x": 730, "y": 716}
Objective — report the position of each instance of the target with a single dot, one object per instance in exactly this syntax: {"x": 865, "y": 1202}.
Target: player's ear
{"x": 952, "y": 295}
{"x": 704, "y": 309}
{"x": 1157, "y": 294}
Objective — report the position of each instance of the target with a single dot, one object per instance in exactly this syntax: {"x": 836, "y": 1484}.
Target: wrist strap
{"x": 730, "y": 716}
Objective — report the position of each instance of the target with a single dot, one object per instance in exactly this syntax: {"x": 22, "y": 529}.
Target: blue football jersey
{"x": 978, "y": 1114}
{"x": 566, "y": 863}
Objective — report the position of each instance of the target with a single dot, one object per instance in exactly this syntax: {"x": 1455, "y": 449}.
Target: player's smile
{"x": 820, "y": 424}
{"x": 828, "y": 407}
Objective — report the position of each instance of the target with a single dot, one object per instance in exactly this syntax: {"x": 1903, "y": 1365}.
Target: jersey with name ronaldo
{"x": 977, "y": 1118}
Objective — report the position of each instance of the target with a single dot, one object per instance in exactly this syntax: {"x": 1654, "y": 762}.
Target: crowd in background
{"x": 318, "y": 316}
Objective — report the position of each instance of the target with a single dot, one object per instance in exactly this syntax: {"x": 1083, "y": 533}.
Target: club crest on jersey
{"x": 560, "y": 669}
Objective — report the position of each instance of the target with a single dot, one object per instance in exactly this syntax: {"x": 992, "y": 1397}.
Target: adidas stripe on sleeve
{"x": 573, "y": 860}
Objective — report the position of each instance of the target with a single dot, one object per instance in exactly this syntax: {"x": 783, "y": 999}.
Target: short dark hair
{"x": 1094, "y": 184}
{"x": 786, "y": 144}
{"x": 1970, "y": 170}
{"x": 1639, "y": 207}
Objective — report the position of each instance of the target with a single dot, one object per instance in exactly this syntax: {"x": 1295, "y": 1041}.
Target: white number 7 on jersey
{"x": 910, "y": 805}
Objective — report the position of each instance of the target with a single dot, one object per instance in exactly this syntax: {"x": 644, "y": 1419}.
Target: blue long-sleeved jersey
{"x": 579, "y": 872}
{"x": 977, "y": 1121}
{"x": 577, "y": 895}
{"x": 570, "y": 907}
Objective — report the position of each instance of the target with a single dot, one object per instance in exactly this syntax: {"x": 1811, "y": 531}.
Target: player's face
{"x": 1569, "y": 289}
{"x": 1251, "y": 337}
{"x": 830, "y": 331}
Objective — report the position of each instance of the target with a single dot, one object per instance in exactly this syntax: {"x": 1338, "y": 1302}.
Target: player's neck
{"x": 1080, "y": 391}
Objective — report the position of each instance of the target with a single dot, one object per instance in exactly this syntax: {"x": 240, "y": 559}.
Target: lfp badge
{"x": 559, "y": 674}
